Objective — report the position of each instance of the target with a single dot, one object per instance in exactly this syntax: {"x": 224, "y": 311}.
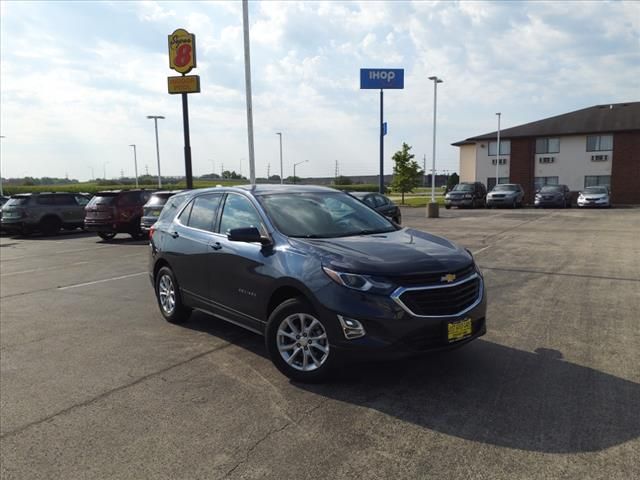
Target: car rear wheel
{"x": 50, "y": 225}
{"x": 106, "y": 235}
{"x": 299, "y": 343}
{"x": 168, "y": 296}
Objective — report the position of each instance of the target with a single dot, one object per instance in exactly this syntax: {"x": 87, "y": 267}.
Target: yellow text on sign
{"x": 184, "y": 84}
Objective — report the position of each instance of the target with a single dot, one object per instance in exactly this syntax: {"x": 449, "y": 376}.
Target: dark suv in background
{"x": 466, "y": 194}
{"x": 153, "y": 207}
{"x": 318, "y": 273}
{"x": 116, "y": 211}
{"x": 380, "y": 204}
{"x": 44, "y": 212}
{"x": 553, "y": 196}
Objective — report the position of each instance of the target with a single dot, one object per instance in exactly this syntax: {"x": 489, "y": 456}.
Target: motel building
{"x": 598, "y": 145}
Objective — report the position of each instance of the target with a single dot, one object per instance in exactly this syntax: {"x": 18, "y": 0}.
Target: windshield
{"x": 17, "y": 201}
{"x": 461, "y": 187}
{"x": 505, "y": 188}
{"x": 322, "y": 215}
{"x": 103, "y": 199}
{"x": 595, "y": 190}
{"x": 551, "y": 189}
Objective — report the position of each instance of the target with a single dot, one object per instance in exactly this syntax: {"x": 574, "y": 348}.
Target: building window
{"x": 548, "y": 145}
{"x": 599, "y": 143}
{"x": 505, "y": 147}
{"x": 547, "y": 160}
{"x": 599, "y": 158}
{"x": 542, "y": 181}
{"x": 595, "y": 180}
{"x": 501, "y": 161}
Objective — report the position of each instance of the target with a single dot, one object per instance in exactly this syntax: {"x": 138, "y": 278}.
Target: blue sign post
{"x": 374, "y": 78}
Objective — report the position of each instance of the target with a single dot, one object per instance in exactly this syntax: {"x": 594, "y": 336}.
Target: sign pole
{"x": 187, "y": 141}
{"x": 381, "y": 186}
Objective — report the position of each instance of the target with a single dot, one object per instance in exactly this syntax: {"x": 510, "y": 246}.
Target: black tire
{"x": 107, "y": 235}
{"x": 168, "y": 297}
{"x": 50, "y": 225}
{"x": 135, "y": 231}
{"x": 447, "y": 207}
{"x": 301, "y": 309}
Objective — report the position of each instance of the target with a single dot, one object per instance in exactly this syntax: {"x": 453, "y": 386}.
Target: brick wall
{"x": 625, "y": 169}
{"x": 521, "y": 169}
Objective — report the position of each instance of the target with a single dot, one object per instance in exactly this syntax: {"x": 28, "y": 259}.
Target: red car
{"x": 116, "y": 211}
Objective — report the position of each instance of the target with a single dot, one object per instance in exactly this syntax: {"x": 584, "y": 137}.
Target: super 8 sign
{"x": 182, "y": 51}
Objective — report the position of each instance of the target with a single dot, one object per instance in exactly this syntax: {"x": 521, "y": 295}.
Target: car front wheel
{"x": 168, "y": 296}
{"x": 299, "y": 343}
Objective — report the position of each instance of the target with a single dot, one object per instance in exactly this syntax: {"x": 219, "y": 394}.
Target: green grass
{"x": 418, "y": 201}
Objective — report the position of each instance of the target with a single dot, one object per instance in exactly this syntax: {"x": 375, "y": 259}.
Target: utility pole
{"x": 432, "y": 207}
{"x": 337, "y": 170}
{"x": 155, "y": 119}
{"x": 281, "y": 170}
{"x": 135, "y": 162}
{"x": 498, "y": 152}
{"x": 424, "y": 171}
{"x": 268, "y": 170}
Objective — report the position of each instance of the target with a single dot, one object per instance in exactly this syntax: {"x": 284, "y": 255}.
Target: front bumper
{"x": 555, "y": 202}
{"x": 392, "y": 332}
{"x": 596, "y": 203}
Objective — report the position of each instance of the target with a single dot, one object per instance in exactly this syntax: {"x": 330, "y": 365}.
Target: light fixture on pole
{"x": 155, "y": 121}
{"x": 498, "y": 152}
{"x": 432, "y": 207}
{"x": 135, "y": 162}
{"x": 247, "y": 80}
{"x": 294, "y": 169}
{"x": 281, "y": 171}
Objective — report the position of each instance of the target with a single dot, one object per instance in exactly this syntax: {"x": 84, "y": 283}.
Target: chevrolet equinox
{"x": 320, "y": 274}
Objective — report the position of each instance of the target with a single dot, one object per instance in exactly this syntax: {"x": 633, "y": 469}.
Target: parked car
{"x": 594, "y": 197}
{"x": 153, "y": 207}
{"x": 506, "y": 195}
{"x": 116, "y": 211}
{"x": 319, "y": 274}
{"x": 553, "y": 196}
{"x": 466, "y": 194}
{"x": 3, "y": 200}
{"x": 380, "y": 204}
{"x": 44, "y": 212}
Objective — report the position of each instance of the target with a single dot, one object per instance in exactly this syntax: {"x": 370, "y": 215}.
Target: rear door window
{"x": 17, "y": 201}
{"x": 46, "y": 200}
{"x": 204, "y": 212}
{"x": 65, "y": 200}
{"x": 171, "y": 208}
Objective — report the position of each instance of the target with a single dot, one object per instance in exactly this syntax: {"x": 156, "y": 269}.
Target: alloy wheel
{"x": 302, "y": 342}
{"x": 167, "y": 294}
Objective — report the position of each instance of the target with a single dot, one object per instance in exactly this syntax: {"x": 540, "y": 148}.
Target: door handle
{"x": 174, "y": 234}
{"x": 215, "y": 246}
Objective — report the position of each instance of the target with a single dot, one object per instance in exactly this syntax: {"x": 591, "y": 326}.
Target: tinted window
{"x": 506, "y": 188}
{"x": 370, "y": 201}
{"x": 204, "y": 211}
{"x": 17, "y": 201}
{"x": 552, "y": 188}
{"x": 103, "y": 199}
{"x": 380, "y": 201}
{"x": 129, "y": 199}
{"x": 82, "y": 200}
{"x": 322, "y": 215}
{"x": 239, "y": 213}
{"x": 158, "y": 199}
{"x": 462, "y": 187}
{"x": 46, "y": 200}
{"x": 595, "y": 190}
{"x": 64, "y": 200}
{"x": 171, "y": 207}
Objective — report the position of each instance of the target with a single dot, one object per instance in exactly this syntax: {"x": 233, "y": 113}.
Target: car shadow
{"x": 125, "y": 239}
{"x": 61, "y": 235}
{"x": 484, "y": 392}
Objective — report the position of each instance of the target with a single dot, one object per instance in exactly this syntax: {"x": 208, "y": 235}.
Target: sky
{"x": 78, "y": 79}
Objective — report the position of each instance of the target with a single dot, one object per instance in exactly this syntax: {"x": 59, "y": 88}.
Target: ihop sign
{"x": 379, "y": 78}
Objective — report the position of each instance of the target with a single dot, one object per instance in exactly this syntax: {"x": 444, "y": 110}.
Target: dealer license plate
{"x": 459, "y": 330}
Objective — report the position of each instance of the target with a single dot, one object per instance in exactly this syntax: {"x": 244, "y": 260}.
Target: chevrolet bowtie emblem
{"x": 449, "y": 277}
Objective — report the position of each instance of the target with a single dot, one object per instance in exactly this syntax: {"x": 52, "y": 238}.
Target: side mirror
{"x": 247, "y": 235}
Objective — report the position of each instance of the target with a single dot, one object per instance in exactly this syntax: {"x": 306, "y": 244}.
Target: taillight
{"x": 152, "y": 230}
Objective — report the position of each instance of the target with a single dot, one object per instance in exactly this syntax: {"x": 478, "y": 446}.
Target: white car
{"x": 594, "y": 197}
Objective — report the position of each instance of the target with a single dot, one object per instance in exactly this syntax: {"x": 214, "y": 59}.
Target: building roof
{"x": 617, "y": 117}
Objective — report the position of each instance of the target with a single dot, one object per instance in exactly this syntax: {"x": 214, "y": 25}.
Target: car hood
{"x": 595, "y": 195}
{"x": 403, "y": 252}
{"x": 506, "y": 193}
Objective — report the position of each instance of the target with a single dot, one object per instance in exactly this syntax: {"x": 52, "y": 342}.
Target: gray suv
{"x": 44, "y": 212}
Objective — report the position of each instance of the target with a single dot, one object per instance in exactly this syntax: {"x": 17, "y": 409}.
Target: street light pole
{"x": 432, "y": 208}
{"x": 498, "y": 152}
{"x": 155, "y": 121}
{"x": 135, "y": 162}
{"x": 294, "y": 169}
{"x": 281, "y": 171}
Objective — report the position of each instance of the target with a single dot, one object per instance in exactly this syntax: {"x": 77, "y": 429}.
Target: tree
{"x": 407, "y": 174}
{"x": 274, "y": 178}
{"x": 452, "y": 181}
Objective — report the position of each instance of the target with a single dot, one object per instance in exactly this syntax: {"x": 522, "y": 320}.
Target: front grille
{"x": 498, "y": 195}
{"x": 443, "y": 301}
{"x": 430, "y": 278}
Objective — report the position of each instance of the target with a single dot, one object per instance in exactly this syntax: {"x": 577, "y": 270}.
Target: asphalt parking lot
{"x": 94, "y": 384}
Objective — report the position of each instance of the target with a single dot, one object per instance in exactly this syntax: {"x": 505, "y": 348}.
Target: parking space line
{"x": 78, "y": 285}
{"x": 481, "y": 250}
{"x": 42, "y": 269}
{"x": 49, "y": 254}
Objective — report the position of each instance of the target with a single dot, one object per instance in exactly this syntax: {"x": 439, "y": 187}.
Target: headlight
{"x": 364, "y": 283}
{"x": 447, "y": 196}
{"x": 538, "y": 196}
{"x": 580, "y": 197}
{"x": 468, "y": 195}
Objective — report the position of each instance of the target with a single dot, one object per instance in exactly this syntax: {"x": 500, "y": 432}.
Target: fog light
{"x": 351, "y": 328}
